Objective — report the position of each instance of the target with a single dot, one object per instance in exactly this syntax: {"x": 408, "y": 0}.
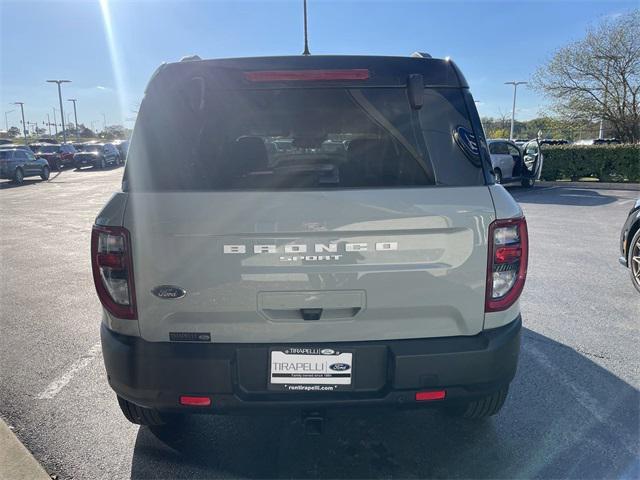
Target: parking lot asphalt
{"x": 573, "y": 410}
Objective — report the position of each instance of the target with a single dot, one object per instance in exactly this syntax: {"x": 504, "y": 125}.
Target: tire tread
{"x": 482, "y": 407}
{"x": 140, "y": 415}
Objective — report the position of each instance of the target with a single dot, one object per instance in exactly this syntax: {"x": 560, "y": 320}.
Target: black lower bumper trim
{"x": 235, "y": 376}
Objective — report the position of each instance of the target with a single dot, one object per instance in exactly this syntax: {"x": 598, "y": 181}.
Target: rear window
{"x": 48, "y": 149}
{"x": 197, "y": 138}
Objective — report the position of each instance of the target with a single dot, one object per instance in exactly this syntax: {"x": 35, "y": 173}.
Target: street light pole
{"x": 75, "y": 115}
{"x": 6, "y": 120}
{"x": 55, "y": 121}
{"x": 59, "y": 82}
{"x": 104, "y": 119}
{"x": 24, "y": 125}
{"x": 513, "y": 110}
{"x": 49, "y": 123}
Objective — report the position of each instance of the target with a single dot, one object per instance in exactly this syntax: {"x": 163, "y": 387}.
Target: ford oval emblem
{"x": 339, "y": 367}
{"x": 168, "y": 292}
{"x": 468, "y": 143}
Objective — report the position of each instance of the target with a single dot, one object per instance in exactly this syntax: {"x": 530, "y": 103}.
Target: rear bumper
{"x": 235, "y": 376}
{"x": 85, "y": 162}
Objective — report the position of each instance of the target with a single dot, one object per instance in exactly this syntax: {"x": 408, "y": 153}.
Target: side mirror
{"x": 415, "y": 90}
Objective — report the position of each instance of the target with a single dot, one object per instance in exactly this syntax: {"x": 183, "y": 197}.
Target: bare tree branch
{"x": 598, "y": 77}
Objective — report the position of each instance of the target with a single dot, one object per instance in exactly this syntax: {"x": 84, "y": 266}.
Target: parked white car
{"x": 512, "y": 163}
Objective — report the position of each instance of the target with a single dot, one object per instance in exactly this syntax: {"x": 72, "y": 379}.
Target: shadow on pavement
{"x": 96, "y": 169}
{"x": 581, "y": 197}
{"x": 566, "y": 417}
{"x": 26, "y": 183}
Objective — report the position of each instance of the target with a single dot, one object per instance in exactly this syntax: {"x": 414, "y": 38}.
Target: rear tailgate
{"x": 371, "y": 264}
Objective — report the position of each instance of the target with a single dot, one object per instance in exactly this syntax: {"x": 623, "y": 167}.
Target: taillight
{"x": 113, "y": 270}
{"x": 306, "y": 75}
{"x": 507, "y": 263}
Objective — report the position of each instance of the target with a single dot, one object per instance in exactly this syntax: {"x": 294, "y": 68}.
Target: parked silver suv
{"x": 237, "y": 276}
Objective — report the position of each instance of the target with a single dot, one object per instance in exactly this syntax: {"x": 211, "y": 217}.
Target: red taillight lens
{"x": 507, "y": 263}
{"x": 192, "y": 401}
{"x": 431, "y": 395}
{"x": 113, "y": 270}
{"x": 306, "y": 75}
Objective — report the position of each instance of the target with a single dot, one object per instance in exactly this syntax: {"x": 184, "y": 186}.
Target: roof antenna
{"x": 306, "y": 40}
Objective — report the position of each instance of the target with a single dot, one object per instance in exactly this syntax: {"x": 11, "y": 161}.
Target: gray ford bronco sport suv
{"x": 371, "y": 262}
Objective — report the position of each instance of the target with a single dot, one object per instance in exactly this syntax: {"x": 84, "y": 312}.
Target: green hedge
{"x": 607, "y": 163}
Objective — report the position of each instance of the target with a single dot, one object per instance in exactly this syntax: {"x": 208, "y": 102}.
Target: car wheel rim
{"x": 635, "y": 262}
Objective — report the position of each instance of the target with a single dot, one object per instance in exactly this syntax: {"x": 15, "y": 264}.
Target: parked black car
{"x": 554, "y": 141}
{"x": 630, "y": 244}
{"x": 58, "y": 155}
{"x": 18, "y": 163}
{"x": 98, "y": 155}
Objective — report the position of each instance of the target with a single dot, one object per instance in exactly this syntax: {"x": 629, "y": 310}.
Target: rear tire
{"x": 18, "y": 176}
{"x": 140, "y": 415}
{"x": 482, "y": 407}
{"x": 528, "y": 182}
{"x": 45, "y": 173}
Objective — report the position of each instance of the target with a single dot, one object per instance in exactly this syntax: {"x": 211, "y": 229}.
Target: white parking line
{"x": 624, "y": 202}
{"x": 58, "y": 384}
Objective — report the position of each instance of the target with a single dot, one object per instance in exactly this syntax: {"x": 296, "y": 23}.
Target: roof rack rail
{"x": 420, "y": 55}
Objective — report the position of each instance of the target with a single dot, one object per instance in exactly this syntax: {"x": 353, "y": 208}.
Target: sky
{"x": 110, "y": 48}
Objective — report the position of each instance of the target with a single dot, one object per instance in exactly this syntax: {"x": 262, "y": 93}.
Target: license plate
{"x": 310, "y": 370}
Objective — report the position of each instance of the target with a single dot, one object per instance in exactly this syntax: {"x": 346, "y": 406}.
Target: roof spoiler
{"x": 420, "y": 55}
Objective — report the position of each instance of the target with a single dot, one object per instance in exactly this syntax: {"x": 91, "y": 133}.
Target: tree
{"x": 598, "y": 77}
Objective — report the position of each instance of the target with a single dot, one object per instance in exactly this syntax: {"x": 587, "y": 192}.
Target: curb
{"x": 16, "y": 462}
{"x": 594, "y": 185}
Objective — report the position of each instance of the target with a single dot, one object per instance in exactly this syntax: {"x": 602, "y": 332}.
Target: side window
{"x": 19, "y": 155}
{"x": 499, "y": 148}
{"x": 513, "y": 151}
{"x": 30, "y": 156}
{"x": 493, "y": 148}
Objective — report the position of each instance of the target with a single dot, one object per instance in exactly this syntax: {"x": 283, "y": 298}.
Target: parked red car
{"x": 58, "y": 156}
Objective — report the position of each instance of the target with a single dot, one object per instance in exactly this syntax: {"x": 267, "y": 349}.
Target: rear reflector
{"x": 432, "y": 395}
{"x": 195, "y": 401}
{"x": 306, "y": 75}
